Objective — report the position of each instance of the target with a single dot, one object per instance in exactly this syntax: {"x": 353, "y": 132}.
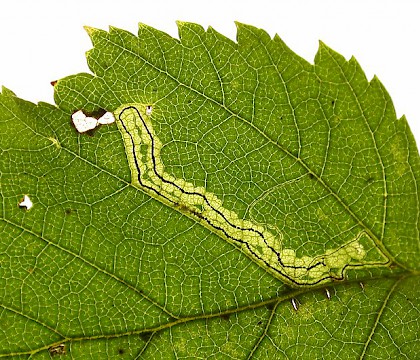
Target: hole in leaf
{"x": 295, "y": 304}
{"x": 327, "y": 292}
{"x": 89, "y": 121}
{"x": 26, "y": 203}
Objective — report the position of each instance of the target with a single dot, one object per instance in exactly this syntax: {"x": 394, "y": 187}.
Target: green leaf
{"x": 246, "y": 204}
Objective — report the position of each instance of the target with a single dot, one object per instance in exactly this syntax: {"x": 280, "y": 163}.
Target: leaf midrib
{"x": 274, "y": 302}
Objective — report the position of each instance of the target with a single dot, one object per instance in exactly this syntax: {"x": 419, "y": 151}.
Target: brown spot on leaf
{"x": 146, "y": 336}
{"x": 59, "y": 349}
{"x": 270, "y": 306}
{"x": 225, "y": 316}
{"x": 96, "y": 113}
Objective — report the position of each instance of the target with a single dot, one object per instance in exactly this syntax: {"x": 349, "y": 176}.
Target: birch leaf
{"x": 243, "y": 204}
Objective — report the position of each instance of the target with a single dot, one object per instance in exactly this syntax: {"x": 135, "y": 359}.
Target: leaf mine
{"x": 143, "y": 149}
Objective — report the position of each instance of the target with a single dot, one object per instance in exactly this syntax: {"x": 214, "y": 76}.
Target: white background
{"x": 44, "y": 40}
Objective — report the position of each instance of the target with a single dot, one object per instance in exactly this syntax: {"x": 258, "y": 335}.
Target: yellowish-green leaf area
{"x": 143, "y": 148}
{"x": 246, "y": 204}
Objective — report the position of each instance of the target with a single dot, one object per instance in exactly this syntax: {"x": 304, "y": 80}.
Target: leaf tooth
{"x": 142, "y": 27}
{"x": 324, "y": 51}
{"x": 117, "y": 32}
{"x": 248, "y": 33}
{"x": 90, "y": 30}
{"x": 358, "y": 69}
{"x": 95, "y": 34}
{"x": 188, "y": 31}
{"x": 144, "y": 31}
{"x": 113, "y": 28}
{"x": 223, "y": 39}
{"x": 7, "y": 92}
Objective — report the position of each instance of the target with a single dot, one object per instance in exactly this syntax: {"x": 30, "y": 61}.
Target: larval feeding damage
{"x": 257, "y": 241}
